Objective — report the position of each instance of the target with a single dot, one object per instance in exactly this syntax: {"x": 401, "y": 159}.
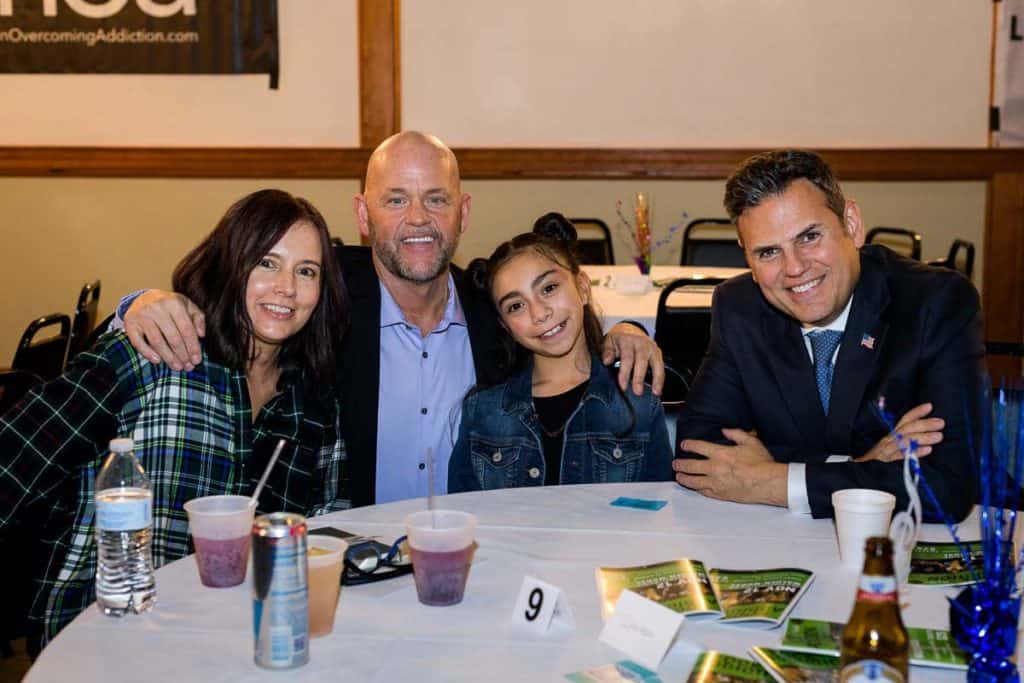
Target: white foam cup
{"x": 860, "y": 514}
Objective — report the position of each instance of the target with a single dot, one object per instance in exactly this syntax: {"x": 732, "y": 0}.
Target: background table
{"x": 557, "y": 534}
{"x": 643, "y": 308}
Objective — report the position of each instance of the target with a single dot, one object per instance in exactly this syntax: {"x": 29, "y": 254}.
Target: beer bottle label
{"x": 877, "y": 588}
{"x": 868, "y": 670}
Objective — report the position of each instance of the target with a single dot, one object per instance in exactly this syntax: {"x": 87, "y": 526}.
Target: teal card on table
{"x": 639, "y": 503}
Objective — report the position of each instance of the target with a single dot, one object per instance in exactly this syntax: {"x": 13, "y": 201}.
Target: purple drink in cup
{"x": 220, "y": 527}
{"x": 222, "y": 562}
{"x": 441, "y": 545}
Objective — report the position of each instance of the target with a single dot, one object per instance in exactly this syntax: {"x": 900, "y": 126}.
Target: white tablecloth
{"x": 614, "y": 306}
{"x": 558, "y": 534}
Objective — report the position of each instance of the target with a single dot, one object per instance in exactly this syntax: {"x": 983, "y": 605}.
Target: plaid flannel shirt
{"x": 194, "y": 436}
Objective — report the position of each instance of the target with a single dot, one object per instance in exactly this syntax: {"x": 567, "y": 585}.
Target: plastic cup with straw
{"x": 441, "y": 543}
{"x": 221, "y": 527}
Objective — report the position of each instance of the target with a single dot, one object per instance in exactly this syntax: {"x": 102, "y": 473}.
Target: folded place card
{"x": 641, "y": 628}
{"x": 633, "y": 284}
{"x": 539, "y": 605}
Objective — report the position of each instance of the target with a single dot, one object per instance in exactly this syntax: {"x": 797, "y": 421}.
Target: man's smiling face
{"x": 803, "y": 256}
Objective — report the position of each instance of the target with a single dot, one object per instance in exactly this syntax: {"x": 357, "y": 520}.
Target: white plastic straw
{"x": 266, "y": 472}
{"x": 430, "y": 486}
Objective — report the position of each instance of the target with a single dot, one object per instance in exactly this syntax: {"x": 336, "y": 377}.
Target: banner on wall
{"x": 1008, "y": 122}
{"x": 139, "y": 37}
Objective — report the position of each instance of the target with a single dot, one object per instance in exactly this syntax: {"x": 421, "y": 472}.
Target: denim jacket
{"x": 499, "y": 444}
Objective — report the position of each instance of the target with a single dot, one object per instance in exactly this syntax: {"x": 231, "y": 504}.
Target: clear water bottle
{"x": 124, "y": 532}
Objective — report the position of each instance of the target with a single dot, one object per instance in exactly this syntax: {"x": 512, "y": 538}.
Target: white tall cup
{"x": 860, "y": 514}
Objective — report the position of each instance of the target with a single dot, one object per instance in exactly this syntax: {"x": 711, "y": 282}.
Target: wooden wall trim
{"x": 1002, "y": 169}
{"x": 1003, "y": 295}
{"x": 379, "y": 71}
{"x": 166, "y": 162}
{"x": 714, "y": 164}
{"x": 495, "y": 163}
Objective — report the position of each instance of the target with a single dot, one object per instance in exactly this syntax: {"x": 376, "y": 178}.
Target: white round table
{"x": 615, "y": 306}
{"x": 557, "y": 534}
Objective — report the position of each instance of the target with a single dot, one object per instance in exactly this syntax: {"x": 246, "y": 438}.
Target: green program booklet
{"x": 764, "y": 595}
{"x": 928, "y": 647}
{"x": 754, "y": 596}
{"x": 940, "y": 564}
{"x": 716, "y": 667}
{"x": 787, "y": 666}
{"x": 681, "y": 585}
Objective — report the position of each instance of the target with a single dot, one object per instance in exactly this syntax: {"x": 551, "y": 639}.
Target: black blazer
{"x": 359, "y": 365}
{"x": 914, "y": 335}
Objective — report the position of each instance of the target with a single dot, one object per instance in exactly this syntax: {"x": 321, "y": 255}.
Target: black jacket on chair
{"x": 914, "y": 335}
{"x": 359, "y": 365}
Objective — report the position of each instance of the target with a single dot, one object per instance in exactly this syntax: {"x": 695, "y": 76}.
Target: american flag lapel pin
{"x": 868, "y": 342}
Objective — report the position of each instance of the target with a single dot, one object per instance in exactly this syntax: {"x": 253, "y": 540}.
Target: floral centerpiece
{"x": 637, "y": 232}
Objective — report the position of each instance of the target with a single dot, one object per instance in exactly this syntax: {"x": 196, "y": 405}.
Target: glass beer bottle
{"x": 874, "y": 642}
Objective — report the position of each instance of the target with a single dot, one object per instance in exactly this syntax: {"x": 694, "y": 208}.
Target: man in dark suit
{"x": 783, "y": 409}
{"x": 420, "y": 336}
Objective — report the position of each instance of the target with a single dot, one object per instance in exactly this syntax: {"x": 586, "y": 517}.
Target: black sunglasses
{"x": 368, "y": 560}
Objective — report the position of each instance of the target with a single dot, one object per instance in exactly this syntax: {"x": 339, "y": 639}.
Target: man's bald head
{"x": 412, "y": 208}
{"x": 404, "y": 147}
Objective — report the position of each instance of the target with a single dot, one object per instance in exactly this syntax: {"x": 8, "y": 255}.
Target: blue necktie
{"x": 823, "y": 345}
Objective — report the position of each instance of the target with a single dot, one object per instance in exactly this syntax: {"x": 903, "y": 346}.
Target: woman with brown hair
{"x": 266, "y": 277}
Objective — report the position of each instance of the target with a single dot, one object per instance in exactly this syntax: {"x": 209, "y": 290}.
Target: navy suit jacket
{"x": 914, "y": 335}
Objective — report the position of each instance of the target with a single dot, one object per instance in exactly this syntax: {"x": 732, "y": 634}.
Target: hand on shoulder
{"x": 166, "y": 327}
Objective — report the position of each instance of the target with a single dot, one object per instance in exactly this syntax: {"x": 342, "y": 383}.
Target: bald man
{"x": 420, "y": 337}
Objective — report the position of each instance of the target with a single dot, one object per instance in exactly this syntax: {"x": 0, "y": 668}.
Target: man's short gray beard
{"x": 388, "y": 257}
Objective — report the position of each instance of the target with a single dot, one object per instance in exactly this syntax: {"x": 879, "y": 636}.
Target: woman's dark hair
{"x": 770, "y": 174}
{"x": 554, "y": 238}
{"x": 215, "y": 275}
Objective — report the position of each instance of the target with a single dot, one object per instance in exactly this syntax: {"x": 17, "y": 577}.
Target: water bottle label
{"x": 868, "y": 671}
{"x": 124, "y": 514}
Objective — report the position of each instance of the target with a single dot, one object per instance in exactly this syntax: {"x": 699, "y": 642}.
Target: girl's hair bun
{"x": 555, "y": 226}
{"x": 477, "y": 273}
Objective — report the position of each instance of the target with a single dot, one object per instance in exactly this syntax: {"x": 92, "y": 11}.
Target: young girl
{"x": 561, "y": 418}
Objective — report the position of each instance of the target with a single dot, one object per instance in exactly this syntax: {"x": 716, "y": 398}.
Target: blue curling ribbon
{"x": 984, "y": 616}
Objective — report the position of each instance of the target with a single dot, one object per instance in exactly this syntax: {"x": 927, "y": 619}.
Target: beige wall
{"x": 693, "y": 73}
{"x": 698, "y": 73}
{"x": 60, "y": 233}
{"x": 316, "y": 104}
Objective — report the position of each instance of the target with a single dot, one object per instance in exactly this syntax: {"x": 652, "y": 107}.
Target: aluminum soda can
{"x": 280, "y": 591}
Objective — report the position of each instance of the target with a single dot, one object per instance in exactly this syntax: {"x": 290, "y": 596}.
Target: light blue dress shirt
{"x": 422, "y": 383}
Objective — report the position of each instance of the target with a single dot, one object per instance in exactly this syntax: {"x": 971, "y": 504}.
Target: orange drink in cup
{"x": 326, "y": 560}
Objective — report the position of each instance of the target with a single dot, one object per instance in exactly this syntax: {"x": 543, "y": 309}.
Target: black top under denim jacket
{"x": 500, "y": 445}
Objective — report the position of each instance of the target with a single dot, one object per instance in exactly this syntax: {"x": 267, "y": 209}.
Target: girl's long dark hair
{"x": 215, "y": 275}
{"x": 554, "y": 238}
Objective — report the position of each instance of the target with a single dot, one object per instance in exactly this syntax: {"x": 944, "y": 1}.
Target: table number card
{"x": 539, "y": 605}
{"x": 641, "y": 628}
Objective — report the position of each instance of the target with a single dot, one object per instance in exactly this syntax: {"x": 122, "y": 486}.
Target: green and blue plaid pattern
{"x": 194, "y": 435}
